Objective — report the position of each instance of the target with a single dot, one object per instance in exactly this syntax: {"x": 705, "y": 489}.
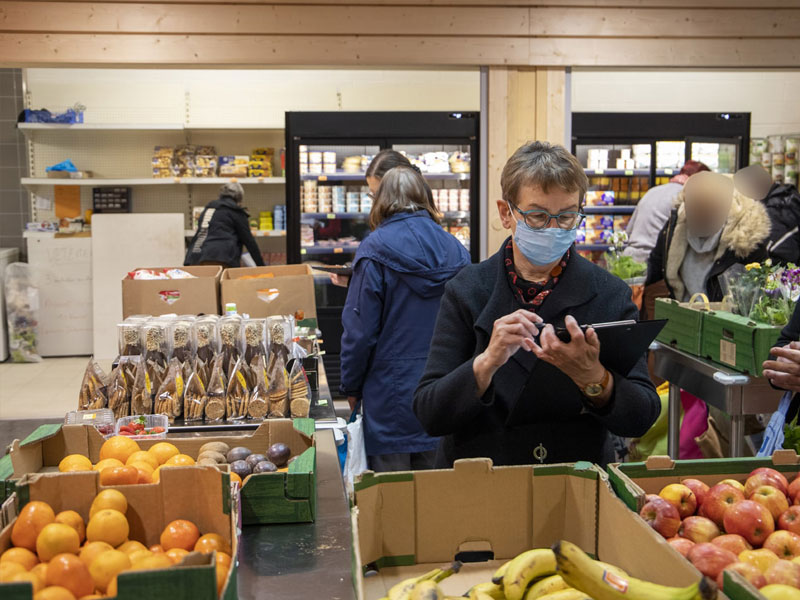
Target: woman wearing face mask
{"x": 712, "y": 227}
{"x": 491, "y": 387}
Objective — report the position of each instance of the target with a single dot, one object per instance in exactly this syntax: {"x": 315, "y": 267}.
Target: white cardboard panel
{"x": 121, "y": 243}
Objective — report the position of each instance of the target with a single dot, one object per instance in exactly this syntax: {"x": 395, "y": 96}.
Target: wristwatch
{"x": 595, "y": 390}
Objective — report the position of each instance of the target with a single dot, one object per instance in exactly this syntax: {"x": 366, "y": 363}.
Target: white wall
{"x": 773, "y": 97}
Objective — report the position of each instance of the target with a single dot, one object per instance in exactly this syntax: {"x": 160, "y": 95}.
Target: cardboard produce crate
{"x": 632, "y": 481}
{"x": 150, "y": 509}
{"x": 290, "y": 289}
{"x": 684, "y": 329}
{"x": 288, "y": 497}
{"x": 181, "y": 296}
{"x": 408, "y": 523}
{"x": 738, "y": 342}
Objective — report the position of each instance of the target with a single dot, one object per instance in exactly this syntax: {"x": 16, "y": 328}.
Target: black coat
{"x": 552, "y": 413}
{"x": 222, "y": 230}
{"x": 783, "y": 207}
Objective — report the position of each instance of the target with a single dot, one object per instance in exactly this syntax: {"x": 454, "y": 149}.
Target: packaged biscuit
{"x": 164, "y": 151}
{"x": 169, "y": 398}
{"x": 194, "y": 398}
{"x": 182, "y": 338}
{"x": 206, "y": 337}
{"x": 258, "y": 405}
{"x": 119, "y": 399}
{"x": 255, "y": 339}
{"x": 237, "y": 394}
{"x": 141, "y": 392}
{"x": 155, "y": 334}
{"x": 93, "y": 388}
{"x": 299, "y": 392}
{"x": 215, "y": 392}
{"x": 230, "y": 335}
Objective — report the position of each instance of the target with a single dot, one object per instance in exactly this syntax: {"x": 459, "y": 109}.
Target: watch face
{"x": 594, "y": 389}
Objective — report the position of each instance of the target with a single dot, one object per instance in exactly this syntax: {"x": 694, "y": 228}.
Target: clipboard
{"x": 339, "y": 270}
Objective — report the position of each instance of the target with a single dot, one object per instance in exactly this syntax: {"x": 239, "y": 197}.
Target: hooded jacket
{"x": 222, "y": 231}
{"x": 743, "y": 240}
{"x": 399, "y": 274}
{"x": 783, "y": 206}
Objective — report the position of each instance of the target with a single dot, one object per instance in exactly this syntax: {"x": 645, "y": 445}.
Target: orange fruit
{"x": 41, "y": 571}
{"x": 74, "y": 462}
{"x": 145, "y": 472}
{"x": 119, "y": 447}
{"x": 22, "y": 556}
{"x": 224, "y": 558}
{"x": 119, "y": 476}
{"x": 157, "y": 561}
{"x": 139, "y": 556}
{"x": 107, "y": 463}
{"x": 108, "y": 525}
{"x": 91, "y": 597}
{"x": 30, "y": 522}
{"x": 222, "y": 575}
{"x": 180, "y": 534}
{"x": 212, "y": 541}
{"x": 32, "y": 578}
{"x": 8, "y": 569}
{"x": 131, "y": 546}
{"x": 67, "y": 570}
{"x": 156, "y": 549}
{"x": 235, "y": 477}
{"x": 54, "y": 592}
{"x": 109, "y": 499}
{"x": 143, "y": 456}
{"x": 163, "y": 451}
{"x": 111, "y": 590}
{"x": 74, "y": 520}
{"x": 176, "y": 555}
{"x": 57, "y": 538}
{"x": 180, "y": 460}
{"x": 107, "y": 566}
{"x": 92, "y": 550}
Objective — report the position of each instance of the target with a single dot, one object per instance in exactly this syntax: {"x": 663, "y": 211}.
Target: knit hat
{"x": 232, "y": 189}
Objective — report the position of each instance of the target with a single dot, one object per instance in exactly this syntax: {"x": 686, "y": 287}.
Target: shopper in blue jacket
{"x": 399, "y": 274}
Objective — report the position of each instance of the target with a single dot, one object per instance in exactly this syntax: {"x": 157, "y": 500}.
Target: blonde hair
{"x": 402, "y": 189}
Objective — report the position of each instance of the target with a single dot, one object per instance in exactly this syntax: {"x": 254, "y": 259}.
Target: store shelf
{"x": 665, "y": 172}
{"x": 617, "y": 172}
{"x": 256, "y": 233}
{"x": 341, "y": 249}
{"x": 362, "y": 177}
{"x": 609, "y": 210}
{"x": 331, "y": 216}
{"x": 32, "y": 128}
{"x": 44, "y": 181}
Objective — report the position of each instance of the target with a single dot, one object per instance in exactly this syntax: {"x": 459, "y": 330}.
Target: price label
{"x": 727, "y": 352}
{"x": 628, "y": 171}
{"x": 338, "y": 250}
{"x": 668, "y": 171}
{"x": 303, "y": 251}
{"x": 331, "y": 216}
{"x": 322, "y": 178}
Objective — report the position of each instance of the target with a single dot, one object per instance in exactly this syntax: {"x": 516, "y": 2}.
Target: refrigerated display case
{"x": 328, "y": 201}
{"x": 625, "y": 154}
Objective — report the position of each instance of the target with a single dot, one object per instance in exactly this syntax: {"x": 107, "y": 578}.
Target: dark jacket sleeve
{"x": 246, "y": 238}
{"x": 447, "y": 398}
{"x": 361, "y": 321}
{"x": 790, "y": 333}
{"x": 655, "y": 264}
{"x": 784, "y": 238}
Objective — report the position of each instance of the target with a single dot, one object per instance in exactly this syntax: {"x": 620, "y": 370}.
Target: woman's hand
{"x": 352, "y": 401}
{"x": 579, "y": 358}
{"x": 340, "y": 280}
{"x": 784, "y": 372}
{"x": 509, "y": 334}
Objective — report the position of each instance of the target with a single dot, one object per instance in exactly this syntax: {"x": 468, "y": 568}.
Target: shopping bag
{"x": 356, "y": 461}
{"x": 773, "y": 436}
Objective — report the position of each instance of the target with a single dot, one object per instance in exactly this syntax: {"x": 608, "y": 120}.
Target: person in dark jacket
{"x": 399, "y": 274}
{"x": 222, "y": 231}
{"x": 490, "y": 389}
{"x": 712, "y": 228}
{"x": 782, "y": 202}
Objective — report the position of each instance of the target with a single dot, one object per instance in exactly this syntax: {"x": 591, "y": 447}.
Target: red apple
{"x": 710, "y": 560}
{"x": 737, "y": 484}
{"x": 718, "y": 500}
{"x": 661, "y": 516}
{"x": 751, "y": 520}
{"x": 699, "y": 489}
{"x": 765, "y": 476}
{"x": 732, "y": 542}
{"x": 681, "y": 497}
{"x": 761, "y": 559}
{"x": 790, "y": 520}
{"x": 698, "y": 529}
{"x": 784, "y": 543}
{"x": 784, "y": 571}
{"x": 747, "y": 571}
{"x": 772, "y": 498}
{"x": 682, "y": 545}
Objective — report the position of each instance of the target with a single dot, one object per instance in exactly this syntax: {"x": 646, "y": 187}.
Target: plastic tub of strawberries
{"x": 101, "y": 418}
{"x": 143, "y": 427}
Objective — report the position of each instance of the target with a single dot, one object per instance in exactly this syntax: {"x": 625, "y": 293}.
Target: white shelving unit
{"x": 31, "y": 129}
{"x": 45, "y": 181}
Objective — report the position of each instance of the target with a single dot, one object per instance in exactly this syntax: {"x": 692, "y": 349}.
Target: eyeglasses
{"x": 540, "y": 219}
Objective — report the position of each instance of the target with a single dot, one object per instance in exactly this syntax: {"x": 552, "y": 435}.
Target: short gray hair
{"x": 543, "y": 165}
{"x": 232, "y": 189}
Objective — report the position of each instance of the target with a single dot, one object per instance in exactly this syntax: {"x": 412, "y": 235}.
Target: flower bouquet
{"x": 764, "y": 292}
{"x": 631, "y": 272}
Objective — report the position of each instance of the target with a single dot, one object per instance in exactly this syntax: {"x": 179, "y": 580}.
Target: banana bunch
{"x": 423, "y": 587}
{"x": 600, "y": 582}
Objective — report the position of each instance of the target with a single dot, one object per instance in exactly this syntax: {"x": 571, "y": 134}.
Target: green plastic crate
{"x": 738, "y": 342}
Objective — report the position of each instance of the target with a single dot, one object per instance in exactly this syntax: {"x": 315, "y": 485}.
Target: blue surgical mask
{"x": 543, "y": 246}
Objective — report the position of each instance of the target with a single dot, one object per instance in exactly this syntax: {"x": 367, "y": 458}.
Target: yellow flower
{"x": 752, "y": 266}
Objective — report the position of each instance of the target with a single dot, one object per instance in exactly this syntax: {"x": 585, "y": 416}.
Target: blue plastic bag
{"x": 773, "y": 436}
{"x": 66, "y": 165}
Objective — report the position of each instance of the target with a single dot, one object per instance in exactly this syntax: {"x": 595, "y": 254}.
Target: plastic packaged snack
{"x": 194, "y": 399}
{"x": 206, "y": 339}
{"x": 258, "y": 406}
{"x": 147, "y": 274}
{"x": 278, "y": 389}
{"x": 155, "y": 376}
{"x": 182, "y": 339}
{"x": 215, "y": 392}
{"x": 119, "y": 399}
{"x": 299, "y": 391}
{"x": 230, "y": 334}
{"x": 169, "y": 399}
{"x": 178, "y": 274}
{"x": 237, "y": 394}
{"x": 93, "y": 388}
{"x": 22, "y": 307}
{"x": 155, "y": 334}
{"x": 255, "y": 339}
{"x": 280, "y": 331}
{"x": 129, "y": 336}
{"x": 141, "y": 393}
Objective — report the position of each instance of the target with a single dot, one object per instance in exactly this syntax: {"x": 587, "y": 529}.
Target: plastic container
{"x": 102, "y": 419}
{"x": 150, "y": 422}
{"x": 182, "y": 339}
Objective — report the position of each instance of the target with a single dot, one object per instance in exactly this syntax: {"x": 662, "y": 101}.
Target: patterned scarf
{"x": 531, "y": 294}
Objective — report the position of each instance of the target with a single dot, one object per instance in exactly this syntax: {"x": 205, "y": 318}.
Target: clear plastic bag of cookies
{"x": 169, "y": 398}
{"x": 215, "y": 392}
{"x": 278, "y": 390}
{"x": 181, "y": 334}
{"x": 230, "y": 335}
{"x": 119, "y": 392}
{"x": 206, "y": 338}
{"x": 141, "y": 393}
{"x": 194, "y": 399}
{"x": 237, "y": 394}
{"x": 258, "y": 406}
{"x": 155, "y": 337}
{"x": 93, "y": 388}
{"x": 299, "y": 391}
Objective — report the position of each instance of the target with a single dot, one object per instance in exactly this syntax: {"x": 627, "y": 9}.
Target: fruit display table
{"x": 734, "y": 393}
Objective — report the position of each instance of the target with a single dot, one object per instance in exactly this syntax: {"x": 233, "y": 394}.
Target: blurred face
{"x": 708, "y": 199}
{"x": 373, "y": 183}
{"x": 534, "y": 198}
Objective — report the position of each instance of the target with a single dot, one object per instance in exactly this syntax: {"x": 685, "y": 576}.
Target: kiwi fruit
{"x": 217, "y": 457}
{"x": 220, "y": 447}
{"x": 206, "y": 462}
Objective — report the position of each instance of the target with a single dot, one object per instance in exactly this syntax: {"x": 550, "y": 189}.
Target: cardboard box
{"x": 738, "y": 342}
{"x": 181, "y": 296}
{"x": 408, "y": 523}
{"x": 288, "y": 497}
{"x": 684, "y": 329}
{"x": 290, "y": 289}
{"x": 150, "y": 509}
{"x": 632, "y": 481}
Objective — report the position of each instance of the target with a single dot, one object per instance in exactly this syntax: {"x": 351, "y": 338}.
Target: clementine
{"x": 143, "y": 456}
{"x": 139, "y": 556}
{"x": 119, "y": 447}
{"x": 212, "y": 541}
{"x": 109, "y": 499}
{"x": 180, "y": 460}
{"x": 74, "y": 520}
{"x": 8, "y": 569}
{"x": 180, "y": 534}
{"x": 156, "y": 549}
{"x": 67, "y": 570}
{"x": 145, "y": 471}
{"x": 119, "y": 476}
{"x": 40, "y": 570}
{"x": 224, "y": 558}
{"x": 176, "y": 555}
{"x": 163, "y": 451}
{"x": 22, "y": 556}
{"x": 131, "y": 546}
{"x": 108, "y": 462}
{"x": 32, "y": 578}
{"x": 54, "y": 592}
{"x": 235, "y": 477}
{"x": 108, "y": 565}
{"x": 92, "y": 550}
{"x": 222, "y": 575}
{"x": 111, "y": 590}
{"x": 30, "y": 522}
{"x": 157, "y": 561}
{"x": 74, "y": 462}
{"x": 57, "y": 538}
{"x": 108, "y": 525}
